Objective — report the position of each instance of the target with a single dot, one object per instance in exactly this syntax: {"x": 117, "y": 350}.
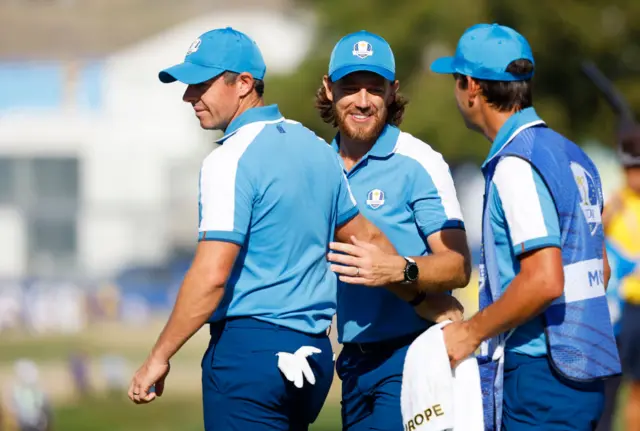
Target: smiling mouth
{"x": 360, "y": 118}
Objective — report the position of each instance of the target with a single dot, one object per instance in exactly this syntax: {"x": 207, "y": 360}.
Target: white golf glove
{"x": 295, "y": 366}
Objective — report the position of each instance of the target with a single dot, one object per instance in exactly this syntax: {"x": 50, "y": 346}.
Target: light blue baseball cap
{"x": 215, "y": 52}
{"x": 484, "y": 51}
{"x": 362, "y": 51}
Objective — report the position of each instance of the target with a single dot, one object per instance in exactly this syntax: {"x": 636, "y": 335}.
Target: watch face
{"x": 412, "y": 272}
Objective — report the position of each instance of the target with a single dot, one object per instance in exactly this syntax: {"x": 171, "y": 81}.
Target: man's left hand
{"x": 460, "y": 341}
{"x": 153, "y": 372}
{"x": 365, "y": 264}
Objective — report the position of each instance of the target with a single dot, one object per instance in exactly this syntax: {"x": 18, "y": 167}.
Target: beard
{"x": 361, "y": 132}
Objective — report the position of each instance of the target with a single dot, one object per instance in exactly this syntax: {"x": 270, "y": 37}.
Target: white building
{"x": 99, "y": 161}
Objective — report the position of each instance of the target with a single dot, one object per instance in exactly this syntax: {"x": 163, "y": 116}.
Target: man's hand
{"x": 199, "y": 295}
{"x": 460, "y": 341}
{"x": 440, "y": 307}
{"x": 365, "y": 264}
{"x": 153, "y": 372}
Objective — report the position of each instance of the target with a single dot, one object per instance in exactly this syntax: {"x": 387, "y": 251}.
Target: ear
{"x": 395, "y": 86}
{"x": 328, "y": 87}
{"x": 244, "y": 84}
{"x": 474, "y": 89}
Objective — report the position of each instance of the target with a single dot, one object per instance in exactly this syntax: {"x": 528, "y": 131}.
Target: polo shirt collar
{"x": 518, "y": 122}
{"x": 267, "y": 114}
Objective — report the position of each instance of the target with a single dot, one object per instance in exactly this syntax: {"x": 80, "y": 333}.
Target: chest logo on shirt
{"x": 362, "y": 49}
{"x": 589, "y": 196}
{"x": 375, "y": 198}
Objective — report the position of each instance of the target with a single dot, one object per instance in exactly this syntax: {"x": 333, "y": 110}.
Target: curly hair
{"x": 328, "y": 114}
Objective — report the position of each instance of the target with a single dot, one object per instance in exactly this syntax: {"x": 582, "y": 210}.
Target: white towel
{"x": 467, "y": 396}
{"x": 435, "y": 398}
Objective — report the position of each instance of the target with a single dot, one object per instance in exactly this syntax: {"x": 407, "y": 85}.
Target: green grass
{"x": 56, "y": 348}
{"x": 132, "y": 343}
{"x": 43, "y": 350}
{"x": 117, "y": 414}
{"x": 168, "y": 414}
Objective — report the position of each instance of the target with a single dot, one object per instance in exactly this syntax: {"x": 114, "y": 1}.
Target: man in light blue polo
{"x": 272, "y": 196}
{"x": 405, "y": 188}
{"x": 545, "y": 270}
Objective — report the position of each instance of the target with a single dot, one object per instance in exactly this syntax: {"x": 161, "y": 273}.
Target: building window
{"x": 52, "y": 245}
{"x": 7, "y": 181}
{"x": 55, "y": 180}
{"x": 46, "y": 191}
{"x": 53, "y": 201}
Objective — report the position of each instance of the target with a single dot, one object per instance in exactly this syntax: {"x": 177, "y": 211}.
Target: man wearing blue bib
{"x": 405, "y": 188}
{"x": 272, "y": 197}
{"x": 547, "y": 340}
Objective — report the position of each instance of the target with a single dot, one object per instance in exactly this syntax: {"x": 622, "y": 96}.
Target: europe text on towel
{"x": 434, "y": 397}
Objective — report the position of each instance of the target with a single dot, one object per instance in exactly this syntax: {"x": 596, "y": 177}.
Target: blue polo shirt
{"x": 405, "y": 188}
{"x": 277, "y": 190}
{"x": 524, "y": 218}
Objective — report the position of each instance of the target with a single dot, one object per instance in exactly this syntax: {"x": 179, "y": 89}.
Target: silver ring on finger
{"x": 357, "y": 271}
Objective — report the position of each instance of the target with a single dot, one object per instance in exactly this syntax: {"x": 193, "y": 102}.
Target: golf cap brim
{"x": 189, "y": 73}
{"x": 346, "y": 70}
{"x": 443, "y": 65}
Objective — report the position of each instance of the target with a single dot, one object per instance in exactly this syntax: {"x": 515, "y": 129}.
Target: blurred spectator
{"x": 115, "y": 373}
{"x": 27, "y": 403}
{"x": 135, "y": 309}
{"x": 108, "y": 301}
{"x": 68, "y": 316}
{"x": 9, "y": 307}
{"x": 79, "y": 369}
{"x": 621, "y": 220}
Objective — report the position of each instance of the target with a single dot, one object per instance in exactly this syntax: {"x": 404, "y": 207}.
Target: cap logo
{"x": 194, "y": 46}
{"x": 362, "y": 49}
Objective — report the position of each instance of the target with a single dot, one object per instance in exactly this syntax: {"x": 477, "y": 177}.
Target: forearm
{"x": 442, "y": 272}
{"x": 520, "y": 302}
{"x": 445, "y": 269}
{"x": 438, "y": 273}
{"x": 197, "y": 300}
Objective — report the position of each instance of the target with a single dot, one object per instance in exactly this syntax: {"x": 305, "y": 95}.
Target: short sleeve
{"x": 226, "y": 198}
{"x": 434, "y": 200}
{"x": 527, "y": 206}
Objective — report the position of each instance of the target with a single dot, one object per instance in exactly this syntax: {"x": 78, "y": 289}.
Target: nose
{"x": 190, "y": 94}
{"x": 362, "y": 99}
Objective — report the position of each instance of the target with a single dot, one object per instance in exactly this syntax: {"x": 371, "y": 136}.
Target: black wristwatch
{"x": 410, "y": 271}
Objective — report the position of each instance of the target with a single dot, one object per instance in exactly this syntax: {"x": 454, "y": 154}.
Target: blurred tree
{"x": 562, "y": 34}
